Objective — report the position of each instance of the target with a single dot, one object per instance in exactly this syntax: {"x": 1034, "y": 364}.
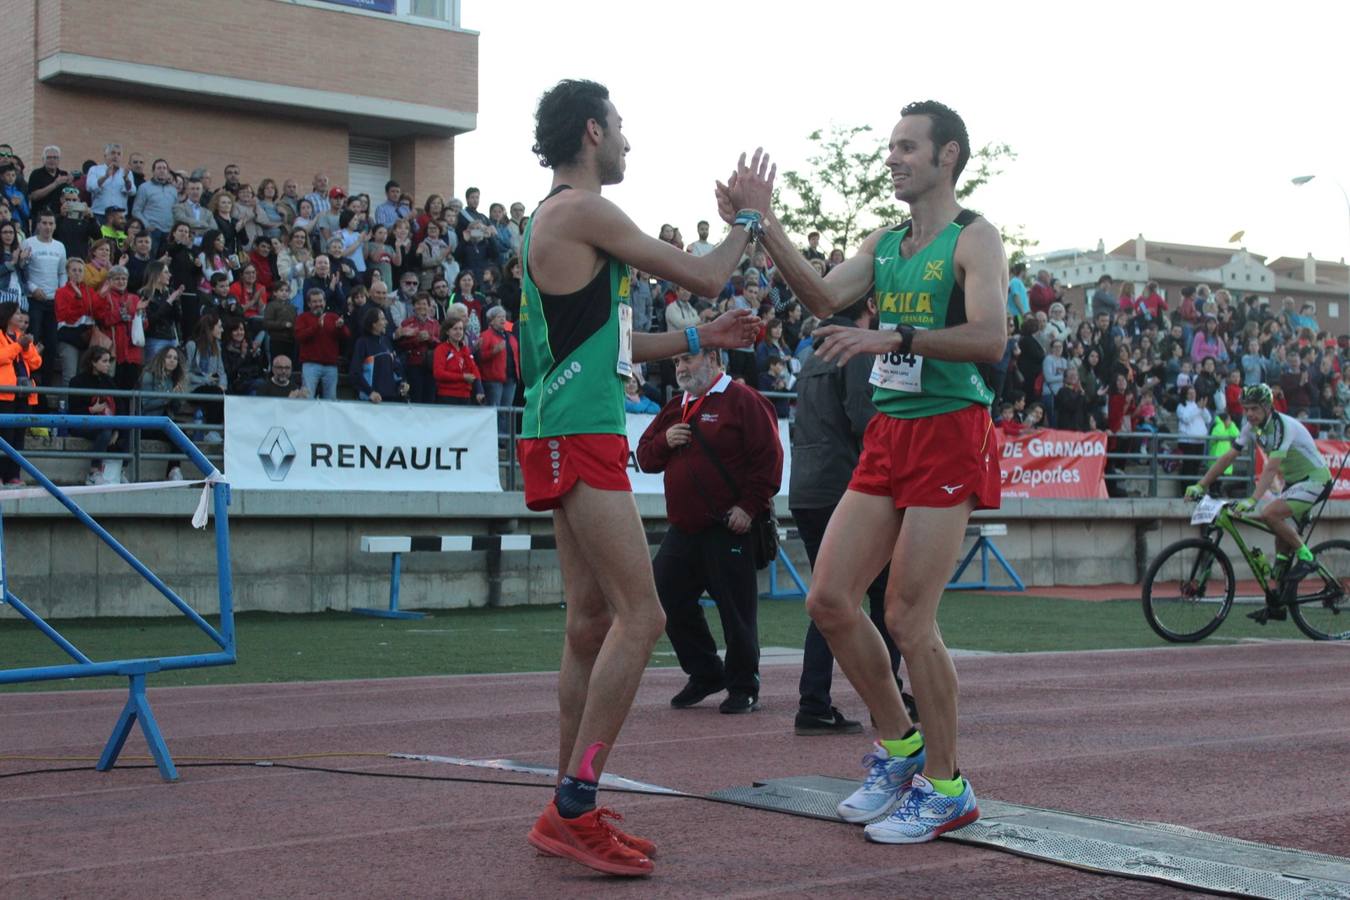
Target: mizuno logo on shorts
{"x": 952, "y": 488}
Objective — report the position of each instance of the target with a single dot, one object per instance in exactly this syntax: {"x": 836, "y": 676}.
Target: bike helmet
{"x": 1253, "y": 394}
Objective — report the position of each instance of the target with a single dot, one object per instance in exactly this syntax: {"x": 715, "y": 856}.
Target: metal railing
{"x": 135, "y": 454}
{"x": 1143, "y": 463}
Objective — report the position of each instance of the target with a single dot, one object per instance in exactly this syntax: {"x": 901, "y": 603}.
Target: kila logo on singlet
{"x": 933, "y": 271}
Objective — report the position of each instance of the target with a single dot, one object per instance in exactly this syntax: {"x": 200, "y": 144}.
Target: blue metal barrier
{"x": 137, "y": 708}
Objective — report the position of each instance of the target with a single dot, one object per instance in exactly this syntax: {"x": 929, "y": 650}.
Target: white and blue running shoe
{"x": 887, "y": 780}
{"x": 923, "y": 814}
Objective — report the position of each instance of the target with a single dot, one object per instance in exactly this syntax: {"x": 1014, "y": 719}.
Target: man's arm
{"x": 609, "y": 229}
{"x": 824, "y": 297}
{"x": 41, "y": 193}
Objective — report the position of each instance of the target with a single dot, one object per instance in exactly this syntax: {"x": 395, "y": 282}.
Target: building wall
{"x": 17, "y": 66}
{"x": 281, "y": 43}
{"x": 82, "y": 121}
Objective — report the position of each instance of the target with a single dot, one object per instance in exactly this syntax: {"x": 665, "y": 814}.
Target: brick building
{"x": 1323, "y": 283}
{"x": 362, "y": 90}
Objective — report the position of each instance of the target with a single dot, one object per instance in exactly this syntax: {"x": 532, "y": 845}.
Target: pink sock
{"x": 584, "y": 771}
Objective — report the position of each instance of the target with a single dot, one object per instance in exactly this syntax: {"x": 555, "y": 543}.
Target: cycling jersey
{"x": 1284, "y": 438}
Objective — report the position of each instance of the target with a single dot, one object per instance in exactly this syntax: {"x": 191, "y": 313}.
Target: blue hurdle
{"x": 137, "y": 708}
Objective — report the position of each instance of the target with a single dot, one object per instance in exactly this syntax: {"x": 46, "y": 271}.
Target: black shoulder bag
{"x": 763, "y": 528}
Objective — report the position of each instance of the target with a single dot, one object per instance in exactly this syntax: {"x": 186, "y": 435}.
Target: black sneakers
{"x": 695, "y": 692}
{"x": 812, "y": 724}
{"x": 737, "y": 703}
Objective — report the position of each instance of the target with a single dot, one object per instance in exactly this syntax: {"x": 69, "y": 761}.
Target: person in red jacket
{"x": 317, "y": 335}
{"x": 114, "y": 310}
{"x": 457, "y": 376}
{"x": 499, "y": 359}
{"x": 711, "y": 506}
{"x": 416, "y": 338}
{"x": 74, "y": 319}
{"x": 19, "y": 359}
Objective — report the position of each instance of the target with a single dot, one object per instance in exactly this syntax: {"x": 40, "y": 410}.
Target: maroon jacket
{"x": 318, "y": 336}
{"x": 739, "y": 426}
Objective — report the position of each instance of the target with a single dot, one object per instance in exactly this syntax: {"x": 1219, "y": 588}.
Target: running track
{"x": 1249, "y": 740}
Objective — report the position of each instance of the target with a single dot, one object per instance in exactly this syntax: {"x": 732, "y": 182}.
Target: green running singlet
{"x": 922, "y": 291}
{"x": 575, "y": 350}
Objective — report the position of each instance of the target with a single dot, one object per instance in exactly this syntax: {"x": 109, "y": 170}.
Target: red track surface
{"x": 1249, "y": 740}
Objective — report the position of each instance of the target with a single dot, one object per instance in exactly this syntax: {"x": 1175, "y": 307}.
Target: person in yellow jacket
{"x": 19, "y": 359}
{"x": 1222, "y": 435}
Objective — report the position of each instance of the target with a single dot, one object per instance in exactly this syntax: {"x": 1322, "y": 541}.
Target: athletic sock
{"x": 575, "y": 796}
{"x": 951, "y": 787}
{"x": 909, "y": 745}
{"x": 1304, "y": 553}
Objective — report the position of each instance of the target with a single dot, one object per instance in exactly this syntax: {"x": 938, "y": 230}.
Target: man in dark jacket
{"x": 834, "y": 406}
{"x": 711, "y": 509}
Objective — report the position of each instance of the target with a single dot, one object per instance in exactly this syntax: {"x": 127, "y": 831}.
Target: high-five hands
{"x": 748, "y": 187}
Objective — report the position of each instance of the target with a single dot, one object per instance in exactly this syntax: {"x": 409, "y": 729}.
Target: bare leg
{"x": 1277, "y": 515}
{"x": 858, "y": 541}
{"x": 607, "y": 537}
{"x": 925, "y": 555}
{"x": 588, "y": 622}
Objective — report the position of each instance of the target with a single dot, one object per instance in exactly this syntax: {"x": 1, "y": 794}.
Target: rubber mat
{"x": 1151, "y": 851}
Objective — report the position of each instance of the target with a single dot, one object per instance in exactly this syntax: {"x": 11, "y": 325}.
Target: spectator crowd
{"x": 1137, "y": 365}
{"x": 134, "y": 275}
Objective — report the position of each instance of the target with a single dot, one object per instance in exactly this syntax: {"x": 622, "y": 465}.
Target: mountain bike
{"x": 1190, "y": 587}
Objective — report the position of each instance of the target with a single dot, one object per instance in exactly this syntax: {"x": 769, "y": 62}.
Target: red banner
{"x": 1049, "y": 463}
{"x": 1333, "y": 452}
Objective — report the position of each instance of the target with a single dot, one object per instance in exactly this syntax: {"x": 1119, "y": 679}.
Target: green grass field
{"x": 327, "y": 646}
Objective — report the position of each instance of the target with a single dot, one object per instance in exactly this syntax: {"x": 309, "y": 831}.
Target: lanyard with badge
{"x": 687, "y": 411}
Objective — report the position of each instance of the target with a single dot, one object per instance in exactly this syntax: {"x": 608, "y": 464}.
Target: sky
{"x": 1184, "y": 121}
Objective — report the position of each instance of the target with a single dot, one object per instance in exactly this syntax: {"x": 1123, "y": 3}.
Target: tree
{"x": 847, "y": 191}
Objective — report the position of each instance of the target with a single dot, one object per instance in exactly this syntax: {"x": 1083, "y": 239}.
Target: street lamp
{"x": 1300, "y": 180}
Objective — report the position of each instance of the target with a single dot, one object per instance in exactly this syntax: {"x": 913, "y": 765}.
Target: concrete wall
{"x": 289, "y": 562}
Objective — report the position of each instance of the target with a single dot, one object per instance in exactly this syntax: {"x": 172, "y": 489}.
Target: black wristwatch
{"x": 906, "y": 333}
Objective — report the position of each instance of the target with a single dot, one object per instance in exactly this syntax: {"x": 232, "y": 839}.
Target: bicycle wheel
{"x": 1322, "y": 610}
{"x": 1188, "y": 590}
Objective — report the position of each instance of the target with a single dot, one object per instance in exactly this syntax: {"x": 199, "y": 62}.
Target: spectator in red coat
{"x": 114, "y": 310}
{"x": 499, "y": 359}
{"x": 74, "y": 318}
{"x": 457, "y": 376}
{"x": 1042, "y": 293}
{"x": 318, "y": 334}
{"x": 416, "y": 340}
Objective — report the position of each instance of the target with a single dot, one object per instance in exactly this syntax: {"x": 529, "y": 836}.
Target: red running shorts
{"x": 936, "y": 461}
{"x": 553, "y": 465}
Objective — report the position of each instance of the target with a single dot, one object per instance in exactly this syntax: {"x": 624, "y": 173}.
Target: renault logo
{"x": 277, "y": 453}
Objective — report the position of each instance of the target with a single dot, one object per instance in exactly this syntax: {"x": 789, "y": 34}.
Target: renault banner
{"x": 314, "y": 445}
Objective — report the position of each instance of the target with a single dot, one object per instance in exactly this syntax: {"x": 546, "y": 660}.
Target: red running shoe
{"x": 589, "y": 840}
{"x": 640, "y": 844}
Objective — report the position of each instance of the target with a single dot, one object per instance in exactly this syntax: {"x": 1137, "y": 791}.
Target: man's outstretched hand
{"x": 748, "y": 187}
{"x": 733, "y": 328}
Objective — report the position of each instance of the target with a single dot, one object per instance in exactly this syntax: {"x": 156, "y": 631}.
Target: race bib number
{"x": 896, "y": 372}
{"x": 1207, "y": 510}
{"x": 625, "y": 365}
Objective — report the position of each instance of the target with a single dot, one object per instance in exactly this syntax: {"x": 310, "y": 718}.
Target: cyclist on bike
{"x": 1290, "y": 454}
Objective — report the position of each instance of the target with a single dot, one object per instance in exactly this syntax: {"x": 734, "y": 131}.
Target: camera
{"x": 77, "y": 210}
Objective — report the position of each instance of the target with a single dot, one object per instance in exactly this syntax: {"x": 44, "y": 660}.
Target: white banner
{"x": 649, "y": 483}
{"x": 316, "y": 445}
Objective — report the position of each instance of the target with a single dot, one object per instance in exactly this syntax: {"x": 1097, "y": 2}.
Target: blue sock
{"x": 575, "y": 797}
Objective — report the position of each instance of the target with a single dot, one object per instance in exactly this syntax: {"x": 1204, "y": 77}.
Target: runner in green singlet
{"x": 929, "y": 458}
{"x": 577, "y": 346}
